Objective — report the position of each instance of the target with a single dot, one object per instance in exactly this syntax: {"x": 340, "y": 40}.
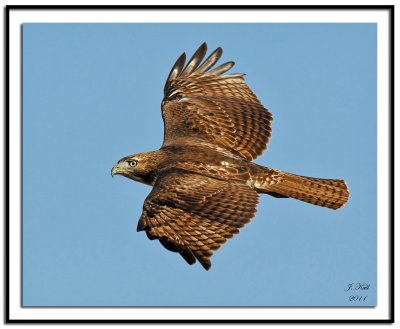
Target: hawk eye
{"x": 132, "y": 163}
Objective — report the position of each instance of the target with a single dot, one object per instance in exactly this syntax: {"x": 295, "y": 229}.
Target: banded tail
{"x": 330, "y": 193}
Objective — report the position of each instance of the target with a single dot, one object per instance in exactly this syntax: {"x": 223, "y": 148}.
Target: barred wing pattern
{"x": 204, "y": 105}
{"x": 194, "y": 214}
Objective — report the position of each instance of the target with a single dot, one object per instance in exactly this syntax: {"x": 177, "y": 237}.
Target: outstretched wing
{"x": 202, "y": 105}
{"x": 193, "y": 214}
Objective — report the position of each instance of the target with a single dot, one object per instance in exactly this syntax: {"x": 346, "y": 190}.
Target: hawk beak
{"x": 120, "y": 168}
{"x": 114, "y": 170}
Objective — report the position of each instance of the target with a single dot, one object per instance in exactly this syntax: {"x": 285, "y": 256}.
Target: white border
{"x": 73, "y": 16}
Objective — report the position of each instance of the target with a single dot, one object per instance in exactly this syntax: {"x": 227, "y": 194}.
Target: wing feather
{"x": 194, "y": 215}
{"x": 210, "y": 61}
{"x": 176, "y": 70}
{"x": 205, "y": 106}
{"x": 194, "y": 62}
{"x": 221, "y": 69}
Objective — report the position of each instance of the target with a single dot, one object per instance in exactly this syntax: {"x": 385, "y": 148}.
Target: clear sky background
{"x": 92, "y": 94}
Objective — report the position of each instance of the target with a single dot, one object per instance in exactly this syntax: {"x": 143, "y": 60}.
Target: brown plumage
{"x": 205, "y": 186}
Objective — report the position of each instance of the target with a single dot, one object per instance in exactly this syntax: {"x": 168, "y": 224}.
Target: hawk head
{"x": 139, "y": 167}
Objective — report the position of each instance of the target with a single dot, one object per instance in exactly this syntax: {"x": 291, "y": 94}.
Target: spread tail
{"x": 330, "y": 193}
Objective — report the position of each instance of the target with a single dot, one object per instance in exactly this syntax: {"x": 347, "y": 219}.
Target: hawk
{"x": 205, "y": 185}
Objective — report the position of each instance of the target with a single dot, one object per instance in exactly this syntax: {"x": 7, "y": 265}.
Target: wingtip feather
{"x": 177, "y": 68}
{"x": 198, "y": 66}
{"x": 211, "y": 60}
{"x": 222, "y": 68}
{"x": 196, "y": 59}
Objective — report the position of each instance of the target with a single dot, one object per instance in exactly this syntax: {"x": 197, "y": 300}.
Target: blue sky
{"x": 91, "y": 95}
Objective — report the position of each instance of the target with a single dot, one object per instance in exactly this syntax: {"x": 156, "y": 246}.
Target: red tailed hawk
{"x": 205, "y": 185}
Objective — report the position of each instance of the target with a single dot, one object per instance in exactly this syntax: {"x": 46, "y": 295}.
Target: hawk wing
{"x": 193, "y": 214}
{"x": 202, "y": 105}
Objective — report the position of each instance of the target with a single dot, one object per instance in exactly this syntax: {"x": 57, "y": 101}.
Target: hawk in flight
{"x": 205, "y": 185}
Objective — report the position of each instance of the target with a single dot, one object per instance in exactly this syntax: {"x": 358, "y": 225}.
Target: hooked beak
{"x": 121, "y": 168}
{"x": 115, "y": 170}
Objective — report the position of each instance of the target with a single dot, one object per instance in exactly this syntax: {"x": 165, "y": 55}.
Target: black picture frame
{"x": 12, "y": 8}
